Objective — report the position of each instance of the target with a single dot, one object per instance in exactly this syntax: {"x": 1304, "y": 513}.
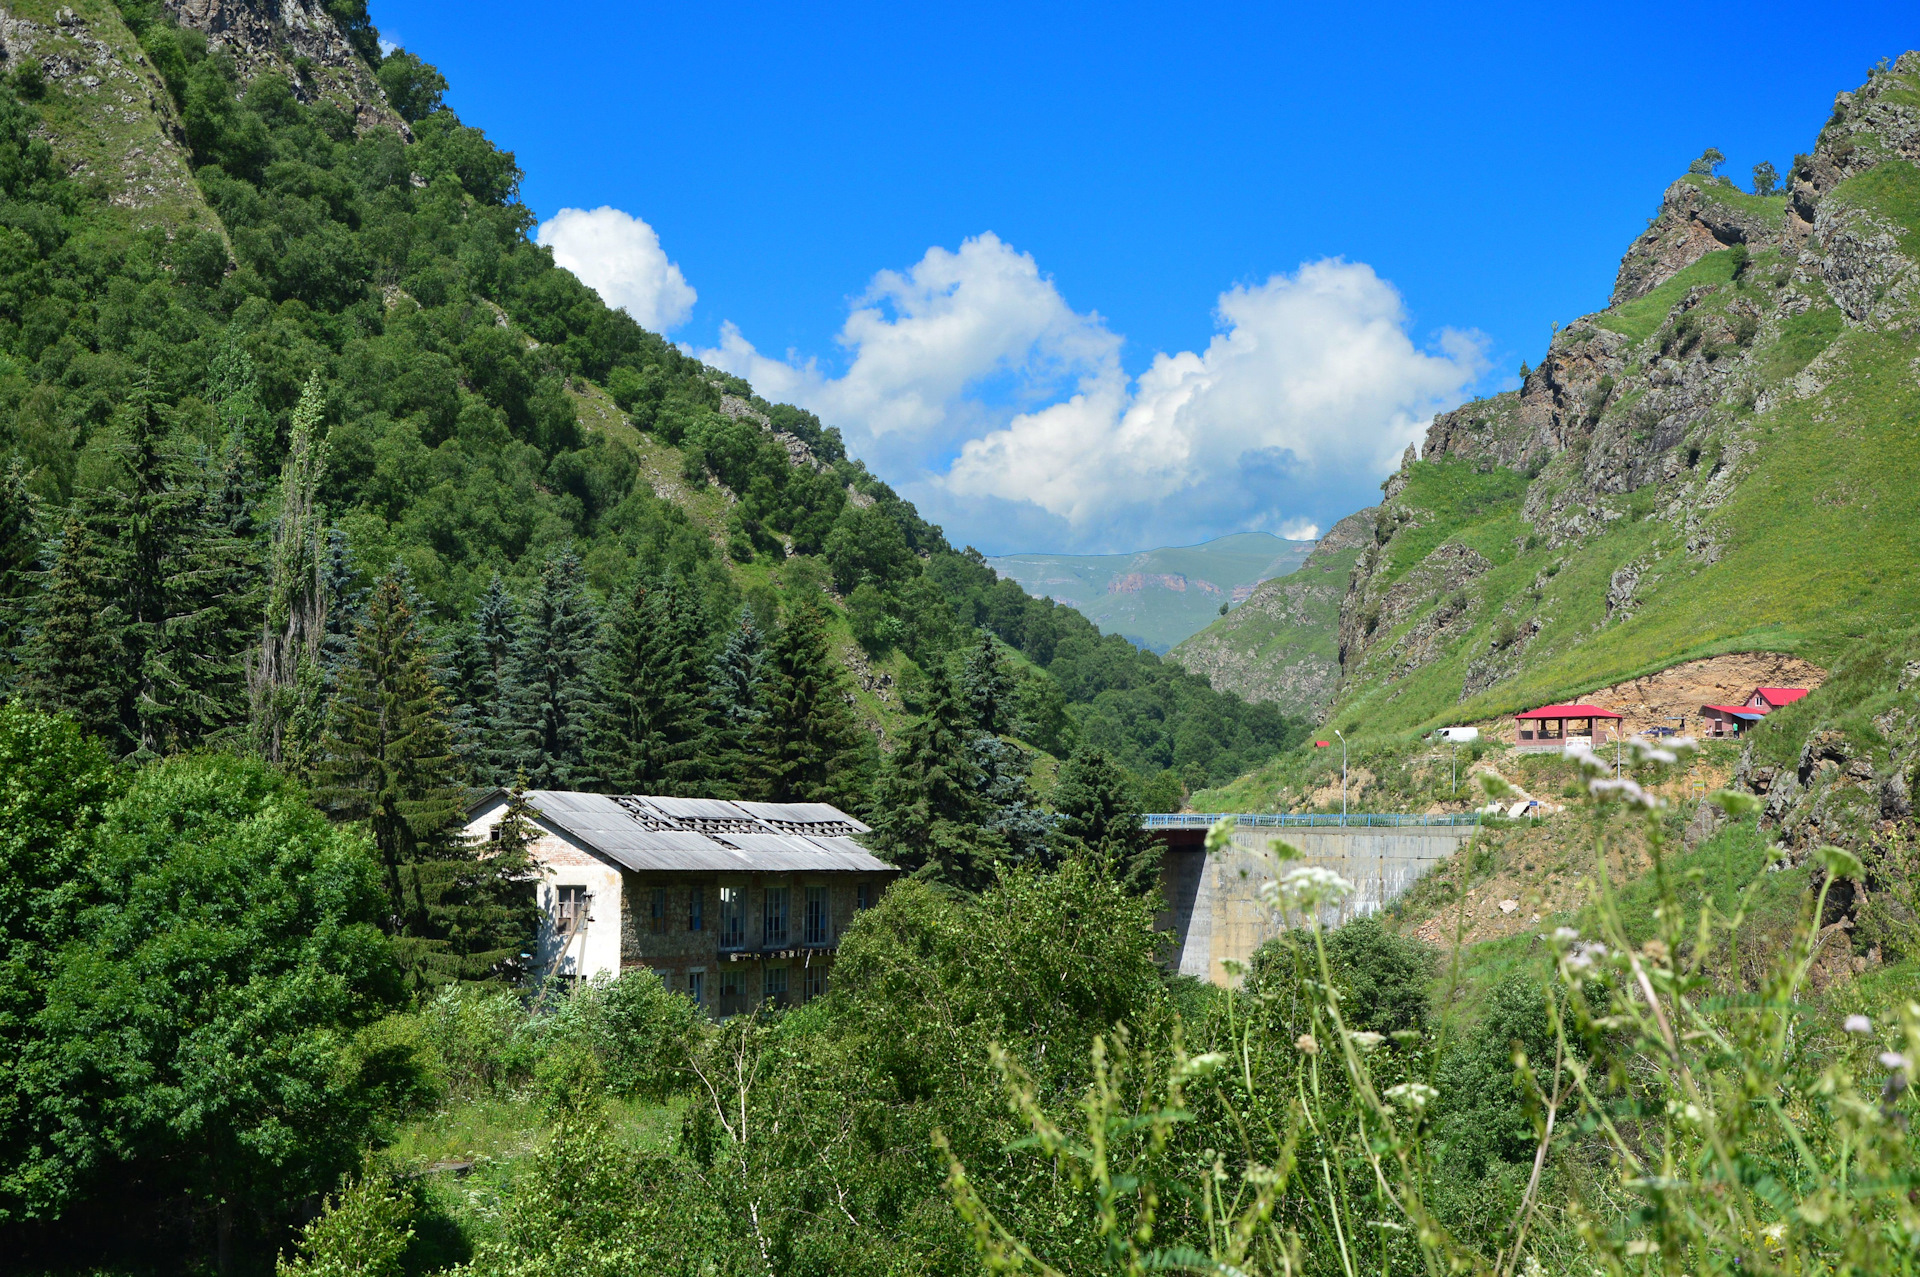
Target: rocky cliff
{"x": 1279, "y": 644}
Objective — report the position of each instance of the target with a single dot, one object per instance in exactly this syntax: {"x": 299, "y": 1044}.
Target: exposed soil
{"x": 1677, "y": 693}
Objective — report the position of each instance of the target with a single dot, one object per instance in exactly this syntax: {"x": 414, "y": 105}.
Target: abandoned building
{"x": 1734, "y": 720}
{"x": 735, "y": 904}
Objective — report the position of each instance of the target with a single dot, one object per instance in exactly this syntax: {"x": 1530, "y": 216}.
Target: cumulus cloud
{"x": 922, "y": 343}
{"x": 977, "y": 389}
{"x": 619, "y": 256}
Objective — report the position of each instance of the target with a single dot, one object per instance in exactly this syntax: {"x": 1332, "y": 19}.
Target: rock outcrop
{"x": 300, "y": 40}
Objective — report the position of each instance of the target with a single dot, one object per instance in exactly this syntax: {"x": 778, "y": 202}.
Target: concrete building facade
{"x": 735, "y": 904}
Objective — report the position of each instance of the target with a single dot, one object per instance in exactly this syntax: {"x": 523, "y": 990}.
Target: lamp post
{"x": 1343, "y": 775}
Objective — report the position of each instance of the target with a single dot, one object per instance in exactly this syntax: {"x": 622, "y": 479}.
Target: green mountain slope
{"x": 1156, "y": 597}
{"x": 1721, "y": 461}
{"x": 1282, "y": 644}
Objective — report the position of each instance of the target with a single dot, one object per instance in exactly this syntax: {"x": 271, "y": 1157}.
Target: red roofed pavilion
{"x": 1535, "y": 735}
{"x": 1734, "y": 720}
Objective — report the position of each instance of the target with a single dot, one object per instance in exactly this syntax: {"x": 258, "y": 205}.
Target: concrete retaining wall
{"x": 1213, "y": 902}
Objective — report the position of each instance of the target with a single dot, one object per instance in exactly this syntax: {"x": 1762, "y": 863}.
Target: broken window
{"x": 569, "y": 907}
{"x": 657, "y": 911}
{"x": 733, "y": 917}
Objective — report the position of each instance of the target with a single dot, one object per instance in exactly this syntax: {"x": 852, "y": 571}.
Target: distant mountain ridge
{"x": 1157, "y": 597}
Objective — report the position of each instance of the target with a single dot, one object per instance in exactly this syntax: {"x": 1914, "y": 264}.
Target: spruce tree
{"x": 735, "y": 705}
{"x": 76, "y": 663}
{"x": 990, "y": 687}
{"x": 481, "y": 907}
{"x": 214, "y": 597}
{"x": 929, "y": 808}
{"x": 808, "y": 745}
{"x": 1100, "y": 819}
{"x": 482, "y": 657}
{"x": 19, "y": 556}
{"x": 650, "y": 734}
{"x": 388, "y": 750}
{"x": 547, "y": 708}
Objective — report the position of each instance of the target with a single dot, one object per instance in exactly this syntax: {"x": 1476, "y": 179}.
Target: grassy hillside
{"x": 1157, "y": 598}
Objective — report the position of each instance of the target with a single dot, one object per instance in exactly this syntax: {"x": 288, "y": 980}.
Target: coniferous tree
{"x": 388, "y": 750}
{"x": 19, "y": 555}
{"x": 482, "y": 658}
{"x": 294, "y": 625}
{"x": 214, "y": 599}
{"x": 480, "y": 907}
{"x": 547, "y": 708}
{"x": 650, "y": 734}
{"x": 930, "y": 809}
{"x": 990, "y": 687}
{"x": 735, "y": 705}
{"x": 103, "y": 648}
{"x": 808, "y": 746}
{"x": 76, "y": 664}
{"x": 1100, "y": 819}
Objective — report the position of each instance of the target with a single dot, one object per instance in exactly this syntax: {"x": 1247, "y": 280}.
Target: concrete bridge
{"x": 1213, "y": 902}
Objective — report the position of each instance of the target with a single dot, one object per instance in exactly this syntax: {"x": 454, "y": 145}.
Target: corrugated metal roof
{"x": 627, "y": 829}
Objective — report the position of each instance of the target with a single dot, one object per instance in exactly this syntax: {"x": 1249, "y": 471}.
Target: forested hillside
{"x": 475, "y": 418}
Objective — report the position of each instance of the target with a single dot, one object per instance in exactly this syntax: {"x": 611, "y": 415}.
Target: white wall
{"x": 563, "y": 862}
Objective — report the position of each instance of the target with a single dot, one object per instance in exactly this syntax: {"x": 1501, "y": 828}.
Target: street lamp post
{"x": 1343, "y": 774}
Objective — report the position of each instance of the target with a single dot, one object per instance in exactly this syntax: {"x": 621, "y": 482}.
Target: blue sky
{"x": 1309, "y": 226}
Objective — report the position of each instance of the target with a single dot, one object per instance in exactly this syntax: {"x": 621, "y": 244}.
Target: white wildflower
{"x": 1628, "y": 791}
{"x": 1859, "y": 1024}
{"x": 1366, "y": 1039}
{"x": 1584, "y": 756}
{"x": 1306, "y": 1045}
{"x": 1411, "y": 1097}
{"x": 1307, "y": 886}
{"x": 1893, "y": 1059}
{"x": 1586, "y": 957}
{"x": 1201, "y": 1066}
{"x": 1565, "y": 935}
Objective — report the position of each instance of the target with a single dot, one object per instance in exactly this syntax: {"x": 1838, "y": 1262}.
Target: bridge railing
{"x": 1274, "y": 820}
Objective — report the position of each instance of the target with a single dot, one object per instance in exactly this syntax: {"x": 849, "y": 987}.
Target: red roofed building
{"x": 1546, "y": 728}
{"x": 1734, "y": 720}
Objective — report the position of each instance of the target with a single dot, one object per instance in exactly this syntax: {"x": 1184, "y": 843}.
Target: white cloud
{"x": 923, "y": 342}
{"x": 974, "y": 387}
{"x": 619, "y": 256}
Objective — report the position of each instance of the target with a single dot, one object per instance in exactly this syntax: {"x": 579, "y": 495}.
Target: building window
{"x": 774, "y": 986}
{"x": 813, "y": 983}
{"x": 818, "y": 922}
{"x": 697, "y": 909}
{"x": 493, "y": 833}
{"x": 730, "y": 999}
{"x": 860, "y": 898}
{"x": 733, "y": 917}
{"x": 569, "y": 907}
{"x": 697, "y": 987}
{"x": 773, "y": 917}
{"x": 666, "y": 977}
{"x": 657, "y": 911}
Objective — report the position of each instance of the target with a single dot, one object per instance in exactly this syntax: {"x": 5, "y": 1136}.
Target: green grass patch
{"x": 1802, "y": 338}
{"x": 1641, "y": 318}
{"x": 1891, "y": 188}
{"x": 1449, "y": 497}
{"x": 1733, "y": 197}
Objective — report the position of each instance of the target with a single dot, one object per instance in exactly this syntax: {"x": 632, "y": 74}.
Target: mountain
{"x": 1722, "y": 460}
{"x": 1156, "y": 597}
{"x": 1282, "y": 644}
{"x": 216, "y": 211}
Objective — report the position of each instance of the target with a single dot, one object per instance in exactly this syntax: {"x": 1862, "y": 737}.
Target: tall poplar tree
{"x": 808, "y": 746}
{"x": 295, "y": 621}
{"x": 546, "y": 709}
{"x": 650, "y": 732}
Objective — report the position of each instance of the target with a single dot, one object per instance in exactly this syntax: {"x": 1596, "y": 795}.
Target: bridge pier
{"x": 1213, "y": 906}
